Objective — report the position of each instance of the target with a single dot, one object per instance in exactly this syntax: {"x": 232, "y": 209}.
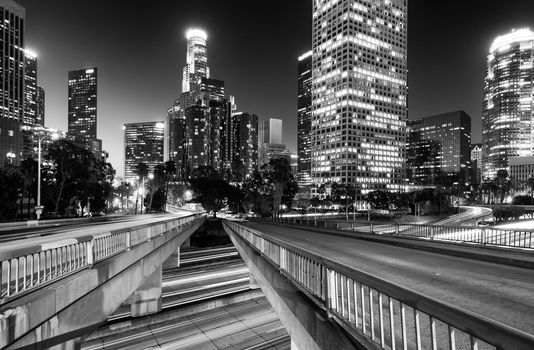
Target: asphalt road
{"x": 499, "y": 292}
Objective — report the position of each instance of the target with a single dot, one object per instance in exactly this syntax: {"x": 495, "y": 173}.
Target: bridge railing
{"x": 390, "y": 316}
{"x": 27, "y": 268}
{"x": 515, "y": 238}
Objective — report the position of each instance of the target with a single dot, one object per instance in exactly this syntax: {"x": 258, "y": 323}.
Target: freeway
{"x": 467, "y": 214}
{"x": 248, "y": 322}
{"x": 204, "y": 281}
{"x": 499, "y": 292}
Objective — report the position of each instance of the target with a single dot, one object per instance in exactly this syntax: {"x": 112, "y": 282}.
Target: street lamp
{"x": 39, "y": 207}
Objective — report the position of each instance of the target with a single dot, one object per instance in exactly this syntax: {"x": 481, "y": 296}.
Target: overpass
{"x": 338, "y": 290}
{"x": 55, "y": 289}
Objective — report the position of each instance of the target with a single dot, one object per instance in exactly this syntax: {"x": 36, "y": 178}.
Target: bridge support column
{"x": 253, "y": 284}
{"x": 173, "y": 260}
{"x": 72, "y": 344}
{"x": 146, "y": 299}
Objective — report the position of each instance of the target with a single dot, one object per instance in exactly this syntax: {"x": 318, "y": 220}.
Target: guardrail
{"x": 391, "y": 316}
{"x": 26, "y": 268}
{"x": 514, "y": 238}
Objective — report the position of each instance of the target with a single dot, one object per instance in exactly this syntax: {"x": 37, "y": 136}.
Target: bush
{"x": 522, "y": 200}
{"x": 507, "y": 213}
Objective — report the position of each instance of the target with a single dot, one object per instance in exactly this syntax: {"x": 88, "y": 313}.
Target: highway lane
{"x": 499, "y": 292}
{"x": 250, "y": 324}
{"x": 181, "y": 286}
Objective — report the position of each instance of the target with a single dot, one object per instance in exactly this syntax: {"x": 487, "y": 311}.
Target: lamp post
{"x": 39, "y": 208}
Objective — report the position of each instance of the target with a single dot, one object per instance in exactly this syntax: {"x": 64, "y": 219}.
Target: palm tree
{"x": 141, "y": 170}
{"x": 170, "y": 175}
{"x": 28, "y": 169}
{"x": 502, "y": 183}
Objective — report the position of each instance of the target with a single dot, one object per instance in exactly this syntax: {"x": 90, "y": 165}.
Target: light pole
{"x": 39, "y": 208}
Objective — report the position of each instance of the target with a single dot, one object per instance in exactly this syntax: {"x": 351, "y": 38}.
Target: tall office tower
{"x": 476, "y": 162}
{"x": 304, "y": 119}
{"x": 82, "y": 105}
{"x": 31, "y": 91}
{"x": 507, "y": 109}
{"x": 197, "y": 137}
{"x": 176, "y": 142}
{"x": 359, "y": 93}
{"x": 40, "y": 106}
{"x": 244, "y": 145}
{"x": 270, "y": 141}
{"x": 12, "y": 59}
{"x": 439, "y": 145}
{"x": 143, "y": 143}
{"x": 196, "y": 60}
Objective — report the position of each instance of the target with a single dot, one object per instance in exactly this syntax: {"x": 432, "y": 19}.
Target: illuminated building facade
{"x": 196, "y": 60}
{"x": 270, "y": 141}
{"x": 197, "y": 137}
{"x": 522, "y": 168}
{"x": 508, "y": 102}
{"x": 40, "y": 106}
{"x": 244, "y": 145}
{"x": 82, "y": 104}
{"x": 304, "y": 119}
{"x": 12, "y": 21}
{"x": 176, "y": 138}
{"x": 30, "y": 89}
{"x": 143, "y": 143}
{"x": 359, "y": 93}
{"x": 439, "y": 144}
{"x": 476, "y": 162}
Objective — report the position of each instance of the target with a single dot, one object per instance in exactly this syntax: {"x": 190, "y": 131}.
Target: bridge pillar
{"x": 173, "y": 260}
{"x": 253, "y": 284}
{"x": 146, "y": 299}
{"x": 72, "y": 344}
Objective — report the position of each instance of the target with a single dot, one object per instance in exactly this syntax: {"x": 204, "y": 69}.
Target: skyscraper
{"x": 270, "y": 141}
{"x": 82, "y": 109}
{"x": 176, "y": 142}
{"x": 31, "y": 91}
{"x": 304, "y": 118}
{"x": 12, "y": 19}
{"x": 439, "y": 145}
{"x": 196, "y": 60}
{"x": 244, "y": 145}
{"x": 143, "y": 143}
{"x": 40, "y": 106}
{"x": 508, "y": 101}
{"x": 359, "y": 93}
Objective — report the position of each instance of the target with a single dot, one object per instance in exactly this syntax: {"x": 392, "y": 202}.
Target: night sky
{"x": 253, "y": 46}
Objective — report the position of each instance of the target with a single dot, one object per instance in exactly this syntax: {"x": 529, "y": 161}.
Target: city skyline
{"x": 141, "y": 70}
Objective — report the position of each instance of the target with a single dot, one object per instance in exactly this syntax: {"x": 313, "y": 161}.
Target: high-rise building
{"x": 143, "y": 143}
{"x": 476, "y": 162}
{"x": 197, "y": 137}
{"x": 270, "y": 141}
{"x": 522, "y": 168}
{"x": 177, "y": 136}
{"x": 40, "y": 106}
{"x": 82, "y": 109}
{"x": 507, "y": 108}
{"x": 12, "y": 19}
{"x": 439, "y": 145}
{"x": 196, "y": 60}
{"x": 31, "y": 91}
{"x": 244, "y": 145}
{"x": 359, "y": 93}
{"x": 304, "y": 118}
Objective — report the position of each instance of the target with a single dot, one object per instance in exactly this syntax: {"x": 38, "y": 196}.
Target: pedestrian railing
{"x": 515, "y": 238}
{"x": 390, "y": 316}
{"x": 24, "y": 269}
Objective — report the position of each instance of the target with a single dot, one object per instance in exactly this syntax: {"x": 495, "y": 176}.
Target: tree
{"x": 211, "y": 190}
{"x": 378, "y": 199}
{"x": 503, "y": 184}
{"x": 156, "y": 185}
{"x": 11, "y": 185}
{"x": 28, "y": 170}
{"x": 141, "y": 170}
{"x": 277, "y": 172}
